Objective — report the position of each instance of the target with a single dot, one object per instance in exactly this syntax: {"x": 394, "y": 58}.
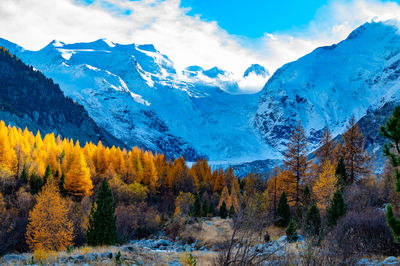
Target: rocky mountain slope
{"x": 29, "y": 99}
{"x": 359, "y": 76}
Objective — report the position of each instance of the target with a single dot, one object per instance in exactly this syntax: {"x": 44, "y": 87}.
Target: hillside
{"x": 29, "y": 99}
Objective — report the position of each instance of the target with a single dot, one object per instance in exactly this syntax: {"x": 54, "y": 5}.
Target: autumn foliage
{"x": 49, "y": 227}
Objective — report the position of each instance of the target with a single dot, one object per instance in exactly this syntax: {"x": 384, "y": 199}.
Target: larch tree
{"x": 357, "y": 160}
{"x": 325, "y": 185}
{"x": 49, "y": 227}
{"x": 325, "y": 152}
{"x": 296, "y": 157}
{"x": 77, "y": 175}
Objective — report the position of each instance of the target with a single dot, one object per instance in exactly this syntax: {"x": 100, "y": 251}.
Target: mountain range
{"x": 135, "y": 92}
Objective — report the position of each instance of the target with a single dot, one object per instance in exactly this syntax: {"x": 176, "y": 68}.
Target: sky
{"x": 231, "y": 34}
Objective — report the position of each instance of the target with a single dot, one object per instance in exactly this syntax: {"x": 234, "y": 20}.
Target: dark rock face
{"x": 29, "y": 99}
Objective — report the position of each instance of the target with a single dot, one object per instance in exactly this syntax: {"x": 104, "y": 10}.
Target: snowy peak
{"x": 257, "y": 70}
{"x": 327, "y": 86}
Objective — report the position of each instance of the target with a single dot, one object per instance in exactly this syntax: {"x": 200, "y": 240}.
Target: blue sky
{"x": 255, "y": 17}
{"x": 231, "y": 34}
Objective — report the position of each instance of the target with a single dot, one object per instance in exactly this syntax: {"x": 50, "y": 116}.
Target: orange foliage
{"x": 49, "y": 227}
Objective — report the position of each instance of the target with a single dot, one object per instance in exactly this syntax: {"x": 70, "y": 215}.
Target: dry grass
{"x": 209, "y": 232}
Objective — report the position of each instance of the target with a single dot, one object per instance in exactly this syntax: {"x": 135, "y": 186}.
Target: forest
{"x": 56, "y": 194}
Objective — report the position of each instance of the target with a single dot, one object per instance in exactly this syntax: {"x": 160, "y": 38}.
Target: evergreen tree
{"x": 391, "y": 131}
{"x": 231, "y": 211}
{"x": 102, "y": 229}
{"x": 61, "y": 185}
{"x": 291, "y": 231}
{"x": 211, "y": 209}
{"x": 35, "y": 183}
{"x": 204, "y": 209}
{"x": 196, "y": 208}
{"x": 282, "y": 216}
{"x": 312, "y": 224}
{"x": 336, "y": 209}
{"x": 223, "y": 212}
{"x": 47, "y": 174}
{"x": 25, "y": 174}
{"x": 341, "y": 175}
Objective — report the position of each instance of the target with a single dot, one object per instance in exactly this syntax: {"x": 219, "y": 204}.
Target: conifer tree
{"x": 341, "y": 175}
{"x": 223, "y": 212}
{"x": 231, "y": 212}
{"x": 282, "y": 216}
{"x": 336, "y": 209}
{"x": 25, "y": 174}
{"x": 61, "y": 184}
{"x": 324, "y": 185}
{"x": 296, "y": 157}
{"x": 102, "y": 229}
{"x": 204, "y": 209}
{"x": 196, "y": 208}
{"x": 35, "y": 183}
{"x": 391, "y": 131}
{"x": 291, "y": 231}
{"x": 355, "y": 158}
{"x": 211, "y": 209}
{"x": 49, "y": 227}
{"x": 325, "y": 152}
{"x": 312, "y": 224}
{"x": 48, "y": 174}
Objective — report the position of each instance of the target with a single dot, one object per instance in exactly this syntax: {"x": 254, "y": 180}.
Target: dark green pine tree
{"x": 25, "y": 174}
{"x": 204, "y": 209}
{"x": 337, "y": 208}
{"x": 35, "y": 183}
{"x": 47, "y": 174}
{"x": 291, "y": 231}
{"x": 231, "y": 211}
{"x": 282, "y": 216}
{"x": 61, "y": 184}
{"x": 102, "y": 229}
{"x": 391, "y": 131}
{"x": 223, "y": 212}
{"x": 312, "y": 223}
{"x": 196, "y": 208}
{"x": 211, "y": 209}
{"x": 341, "y": 175}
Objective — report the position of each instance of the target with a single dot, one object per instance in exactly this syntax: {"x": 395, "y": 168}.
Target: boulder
{"x": 92, "y": 256}
{"x": 390, "y": 261}
{"x": 77, "y": 258}
{"x": 13, "y": 258}
{"x": 363, "y": 262}
{"x": 128, "y": 249}
{"x": 106, "y": 255}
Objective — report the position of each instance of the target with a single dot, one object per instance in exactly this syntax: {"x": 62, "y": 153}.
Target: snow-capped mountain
{"x": 135, "y": 92}
{"x": 327, "y": 86}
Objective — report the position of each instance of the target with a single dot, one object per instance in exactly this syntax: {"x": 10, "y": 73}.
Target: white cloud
{"x": 187, "y": 40}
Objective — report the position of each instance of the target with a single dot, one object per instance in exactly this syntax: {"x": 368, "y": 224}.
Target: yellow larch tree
{"x": 324, "y": 185}
{"x": 77, "y": 173}
{"x": 8, "y": 158}
{"x": 49, "y": 227}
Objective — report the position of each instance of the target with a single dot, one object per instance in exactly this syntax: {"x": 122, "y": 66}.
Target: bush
{"x": 136, "y": 221}
{"x": 362, "y": 233}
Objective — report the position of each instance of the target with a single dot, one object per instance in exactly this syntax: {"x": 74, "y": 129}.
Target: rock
{"x": 13, "y": 258}
{"x": 77, "y": 258}
{"x": 106, "y": 255}
{"x": 92, "y": 256}
{"x": 128, "y": 249}
{"x": 390, "y": 261}
{"x": 364, "y": 262}
{"x": 174, "y": 263}
{"x": 161, "y": 242}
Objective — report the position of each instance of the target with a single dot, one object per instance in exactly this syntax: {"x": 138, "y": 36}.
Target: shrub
{"x": 362, "y": 233}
